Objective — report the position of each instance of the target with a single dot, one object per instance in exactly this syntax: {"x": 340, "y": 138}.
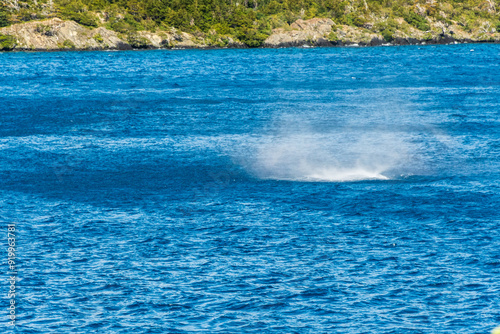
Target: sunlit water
{"x": 351, "y": 190}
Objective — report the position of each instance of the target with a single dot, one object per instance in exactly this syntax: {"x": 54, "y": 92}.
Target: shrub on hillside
{"x": 44, "y": 30}
{"x": 7, "y": 42}
{"x": 251, "y": 37}
{"x": 387, "y": 29}
{"x": 137, "y": 42}
{"x": 85, "y": 18}
{"x": 4, "y": 16}
{"x": 77, "y": 11}
{"x": 125, "y": 25}
{"x": 67, "y": 44}
{"x": 416, "y": 20}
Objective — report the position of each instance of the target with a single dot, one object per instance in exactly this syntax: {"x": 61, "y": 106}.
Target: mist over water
{"x": 299, "y": 150}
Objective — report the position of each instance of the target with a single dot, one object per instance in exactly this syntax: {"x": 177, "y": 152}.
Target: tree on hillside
{"x": 4, "y": 16}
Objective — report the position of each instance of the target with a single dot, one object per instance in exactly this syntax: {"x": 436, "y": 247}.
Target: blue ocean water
{"x": 332, "y": 190}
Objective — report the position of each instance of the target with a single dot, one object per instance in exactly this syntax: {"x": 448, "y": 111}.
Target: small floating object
{"x": 471, "y": 50}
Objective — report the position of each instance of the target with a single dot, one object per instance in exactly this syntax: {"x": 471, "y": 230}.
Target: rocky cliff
{"x": 324, "y": 32}
{"x": 56, "y": 34}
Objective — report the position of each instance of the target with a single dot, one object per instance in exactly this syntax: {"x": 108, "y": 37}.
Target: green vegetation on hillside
{"x": 4, "y": 16}
{"x": 7, "y": 42}
{"x": 251, "y": 21}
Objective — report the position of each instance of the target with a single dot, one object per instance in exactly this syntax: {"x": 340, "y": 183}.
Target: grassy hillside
{"x": 252, "y": 21}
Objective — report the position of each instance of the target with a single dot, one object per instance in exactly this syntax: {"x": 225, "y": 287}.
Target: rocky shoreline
{"x": 56, "y": 34}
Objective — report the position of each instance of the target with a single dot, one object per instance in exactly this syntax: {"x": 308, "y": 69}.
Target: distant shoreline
{"x": 59, "y": 35}
{"x": 354, "y": 45}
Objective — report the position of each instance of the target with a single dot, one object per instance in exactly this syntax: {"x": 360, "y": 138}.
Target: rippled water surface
{"x": 349, "y": 190}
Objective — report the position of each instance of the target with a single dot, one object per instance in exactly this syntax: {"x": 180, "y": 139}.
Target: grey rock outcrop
{"x": 324, "y": 32}
{"x": 56, "y": 34}
{"x": 310, "y": 32}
